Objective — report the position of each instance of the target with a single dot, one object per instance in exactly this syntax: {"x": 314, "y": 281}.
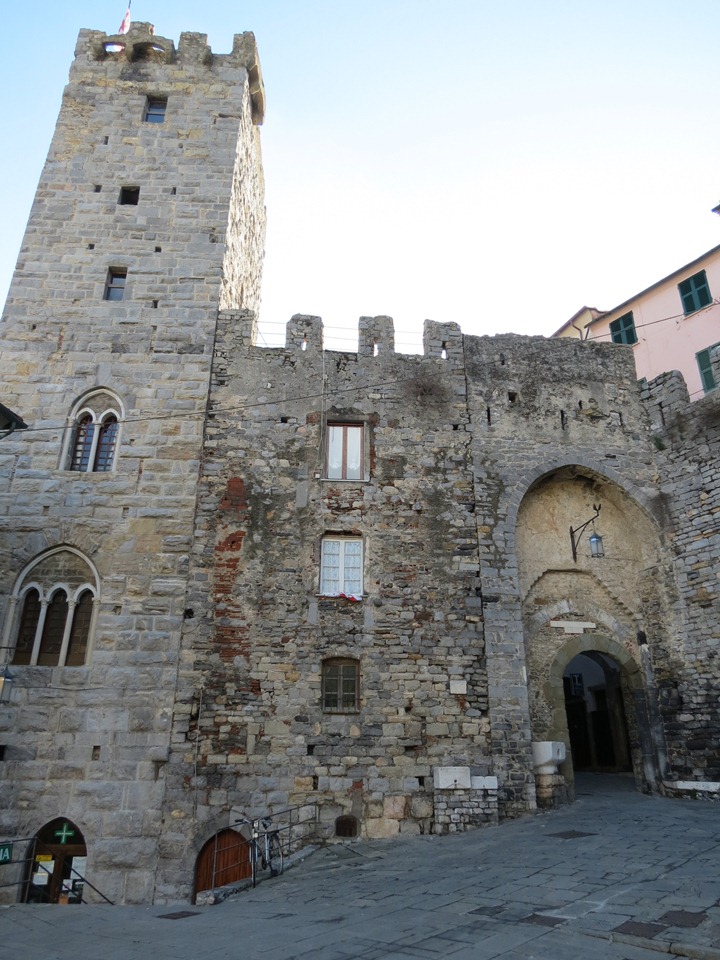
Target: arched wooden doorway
{"x": 225, "y": 858}
{"x": 56, "y": 866}
{"x": 595, "y": 712}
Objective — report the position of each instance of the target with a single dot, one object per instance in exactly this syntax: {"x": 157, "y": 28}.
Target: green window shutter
{"x": 702, "y": 290}
{"x": 622, "y": 330}
{"x": 695, "y": 292}
{"x": 686, "y": 295}
{"x": 706, "y": 374}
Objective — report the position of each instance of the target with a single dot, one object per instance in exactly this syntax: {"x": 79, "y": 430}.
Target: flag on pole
{"x": 125, "y": 25}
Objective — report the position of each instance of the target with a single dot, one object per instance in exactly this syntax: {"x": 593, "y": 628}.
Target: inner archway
{"x": 56, "y": 864}
{"x": 597, "y": 726}
{"x": 577, "y": 600}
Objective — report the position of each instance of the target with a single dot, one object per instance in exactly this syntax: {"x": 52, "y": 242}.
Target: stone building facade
{"x": 148, "y": 215}
{"x": 239, "y": 579}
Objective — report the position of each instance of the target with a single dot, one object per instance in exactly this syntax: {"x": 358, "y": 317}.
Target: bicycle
{"x": 265, "y": 848}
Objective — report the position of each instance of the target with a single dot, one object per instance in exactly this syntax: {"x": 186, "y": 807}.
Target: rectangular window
{"x": 115, "y": 284}
{"x": 129, "y": 196}
{"x": 706, "y": 374}
{"x": 695, "y": 293}
{"x": 622, "y": 330}
{"x": 341, "y": 565}
{"x": 340, "y": 686}
{"x": 345, "y": 451}
{"x": 155, "y": 108}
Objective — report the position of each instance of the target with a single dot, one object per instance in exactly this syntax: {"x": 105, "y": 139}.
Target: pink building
{"x": 672, "y": 325}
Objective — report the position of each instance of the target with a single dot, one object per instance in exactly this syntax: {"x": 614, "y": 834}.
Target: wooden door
{"x": 224, "y": 859}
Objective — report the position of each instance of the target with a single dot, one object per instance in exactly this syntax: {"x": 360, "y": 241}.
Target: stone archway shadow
{"x": 643, "y": 755}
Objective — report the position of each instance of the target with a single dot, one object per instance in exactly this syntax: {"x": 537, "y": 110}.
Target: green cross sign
{"x": 6, "y": 852}
{"x": 64, "y": 833}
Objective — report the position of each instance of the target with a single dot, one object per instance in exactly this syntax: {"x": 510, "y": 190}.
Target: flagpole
{"x": 125, "y": 25}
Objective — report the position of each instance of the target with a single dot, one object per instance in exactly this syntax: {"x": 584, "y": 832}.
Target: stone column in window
{"x": 97, "y": 429}
{"x": 39, "y": 632}
{"x": 66, "y": 632}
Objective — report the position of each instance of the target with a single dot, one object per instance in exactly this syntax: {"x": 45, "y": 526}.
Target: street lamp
{"x": 596, "y": 544}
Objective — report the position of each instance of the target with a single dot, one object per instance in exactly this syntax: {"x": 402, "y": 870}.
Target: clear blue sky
{"x": 497, "y": 165}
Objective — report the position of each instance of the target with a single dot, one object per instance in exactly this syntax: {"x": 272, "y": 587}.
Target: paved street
{"x": 633, "y": 877}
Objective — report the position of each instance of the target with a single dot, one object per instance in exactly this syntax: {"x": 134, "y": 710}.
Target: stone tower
{"x": 148, "y": 217}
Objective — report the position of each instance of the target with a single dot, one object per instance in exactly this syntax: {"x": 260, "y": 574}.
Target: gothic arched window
{"x": 93, "y": 438}
{"x": 51, "y": 611}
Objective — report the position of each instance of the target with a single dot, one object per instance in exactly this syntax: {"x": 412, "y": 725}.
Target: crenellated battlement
{"x": 304, "y": 334}
{"x": 141, "y": 46}
{"x": 376, "y": 337}
{"x": 592, "y": 390}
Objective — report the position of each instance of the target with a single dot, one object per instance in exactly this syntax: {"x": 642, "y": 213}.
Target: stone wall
{"x": 90, "y": 743}
{"x": 261, "y": 631}
{"x": 687, "y": 441}
{"x": 459, "y": 442}
{"x": 202, "y": 698}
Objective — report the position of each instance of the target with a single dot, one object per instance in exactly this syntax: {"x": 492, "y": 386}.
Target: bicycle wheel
{"x": 275, "y": 855}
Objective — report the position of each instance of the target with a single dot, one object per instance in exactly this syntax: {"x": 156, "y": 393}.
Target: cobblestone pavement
{"x": 615, "y": 875}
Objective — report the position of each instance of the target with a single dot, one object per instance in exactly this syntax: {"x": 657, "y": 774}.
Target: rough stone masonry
{"x": 335, "y": 581}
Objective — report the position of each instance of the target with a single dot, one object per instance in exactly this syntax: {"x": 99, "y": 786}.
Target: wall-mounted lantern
{"x": 596, "y": 544}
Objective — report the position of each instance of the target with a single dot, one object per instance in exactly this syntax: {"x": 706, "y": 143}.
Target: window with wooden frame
{"x": 115, "y": 284}
{"x": 622, "y": 330}
{"x": 695, "y": 293}
{"x": 155, "y": 110}
{"x": 345, "y": 451}
{"x": 94, "y": 433}
{"x": 341, "y": 567}
{"x": 340, "y": 685}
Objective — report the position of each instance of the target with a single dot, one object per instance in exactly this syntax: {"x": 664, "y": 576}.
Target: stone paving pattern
{"x": 516, "y": 891}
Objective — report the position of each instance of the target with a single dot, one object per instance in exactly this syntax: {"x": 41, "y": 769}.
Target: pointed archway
{"x": 56, "y": 864}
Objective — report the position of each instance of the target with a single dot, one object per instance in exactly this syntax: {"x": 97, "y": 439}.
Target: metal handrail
{"x": 291, "y": 833}
{"x": 31, "y": 859}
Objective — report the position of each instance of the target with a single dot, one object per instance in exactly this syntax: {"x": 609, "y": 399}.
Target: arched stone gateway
{"x": 586, "y": 623}
{"x": 56, "y": 864}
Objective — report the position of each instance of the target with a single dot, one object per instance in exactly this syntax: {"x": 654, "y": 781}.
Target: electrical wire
{"x": 314, "y": 396}
{"x": 650, "y": 323}
{"x": 184, "y": 414}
